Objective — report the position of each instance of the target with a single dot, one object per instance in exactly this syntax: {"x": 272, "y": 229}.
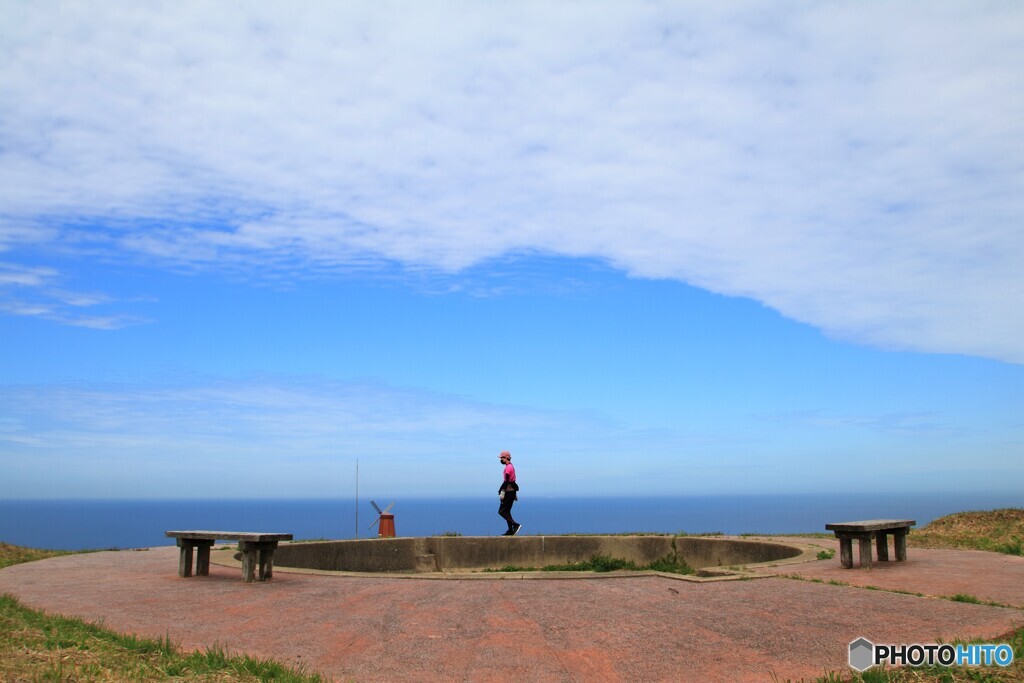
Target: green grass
{"x": 968, "y": 598}
{"x": 1009, "y": 548}
{"x": 14, "y": 554}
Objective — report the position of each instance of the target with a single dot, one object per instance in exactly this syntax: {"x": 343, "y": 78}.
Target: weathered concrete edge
{"x": 473, "y": 553}
{"x": 808, "y": 553}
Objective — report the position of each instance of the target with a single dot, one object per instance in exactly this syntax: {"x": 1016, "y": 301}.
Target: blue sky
{"x": 649, "y": 248}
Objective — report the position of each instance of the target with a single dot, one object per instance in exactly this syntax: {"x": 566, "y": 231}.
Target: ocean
{"x": 97, "y": 524}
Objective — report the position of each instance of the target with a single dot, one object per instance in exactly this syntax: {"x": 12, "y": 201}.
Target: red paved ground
{"x": 991, "y": 577}
{"x": 635, "y": 629}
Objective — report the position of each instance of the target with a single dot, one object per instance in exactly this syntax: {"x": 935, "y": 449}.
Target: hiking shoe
{"x": 509, "y": 533}
{"x": 516, "y": 530}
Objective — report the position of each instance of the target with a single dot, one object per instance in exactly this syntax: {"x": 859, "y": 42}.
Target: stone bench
{"x": 877, "y": 530}
{"x": 257, "y": 551}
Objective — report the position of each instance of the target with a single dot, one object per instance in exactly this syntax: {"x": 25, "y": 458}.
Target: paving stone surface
{"x": 641, "y": 628}
{"x": 990, "y": 577}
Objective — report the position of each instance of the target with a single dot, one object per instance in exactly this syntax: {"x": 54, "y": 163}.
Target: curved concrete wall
{"x": 454, "y": 553}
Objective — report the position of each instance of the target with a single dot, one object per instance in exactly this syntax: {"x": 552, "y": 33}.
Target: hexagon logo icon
{"x": 862, "y": 653}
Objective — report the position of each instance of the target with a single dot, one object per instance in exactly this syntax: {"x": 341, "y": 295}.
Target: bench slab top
{"x": 871, "y": 525}
{"x": 254, "y": 536}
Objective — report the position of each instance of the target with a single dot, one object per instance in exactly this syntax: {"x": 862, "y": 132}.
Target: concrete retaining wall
{"x": 457, "y": 553}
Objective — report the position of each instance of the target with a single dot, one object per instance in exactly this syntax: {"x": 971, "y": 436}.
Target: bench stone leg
{"x": 846, "y": 552}
{"x": 249, "y": 561}
{"x": 882, "y": 544}
{"x": 257, "y": 560}
{"x": 865, "y": 552}
{"x": 184, "y": 558}
{"x": 267, "y": 560}
{"x": 203, "y": 557}
{"x": 901, "y": 545}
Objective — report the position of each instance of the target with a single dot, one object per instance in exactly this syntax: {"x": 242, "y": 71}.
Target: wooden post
{"x": 882, "y": 544}
{"x": 184, "y": 558}
{"x": 900, "y": 537}
{"x": 865, "y": 551}
{"x": 846, "y": 551}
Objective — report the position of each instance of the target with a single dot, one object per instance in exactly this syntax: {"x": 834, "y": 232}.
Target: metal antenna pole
{"x": 357, "y": 497}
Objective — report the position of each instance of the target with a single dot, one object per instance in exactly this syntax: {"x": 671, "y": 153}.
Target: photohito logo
{"x": 864, "y": 654}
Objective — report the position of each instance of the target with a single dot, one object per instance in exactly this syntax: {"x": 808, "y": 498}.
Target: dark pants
{"x": 505, "y": 509}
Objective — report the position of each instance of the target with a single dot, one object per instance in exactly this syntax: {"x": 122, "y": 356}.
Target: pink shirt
{"x": 510, "y": 472}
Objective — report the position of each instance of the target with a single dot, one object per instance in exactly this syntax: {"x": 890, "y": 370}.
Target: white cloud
{"x": 13, "y": 275}
{"x": 858, "y": 168}
{"x": 31, "y": 291}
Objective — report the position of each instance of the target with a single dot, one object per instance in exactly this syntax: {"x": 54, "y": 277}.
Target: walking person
{"x": 507, "y": 494}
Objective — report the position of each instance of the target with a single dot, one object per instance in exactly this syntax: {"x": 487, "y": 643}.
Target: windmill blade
{"x": 376, "y": 507}
{"x": 388, "y": 509}
{"x": 373, "y": 522}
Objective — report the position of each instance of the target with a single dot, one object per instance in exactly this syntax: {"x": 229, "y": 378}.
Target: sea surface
{"x": 92, "y": 524}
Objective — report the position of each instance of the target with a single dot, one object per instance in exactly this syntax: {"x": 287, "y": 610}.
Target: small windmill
{"x": 387, "y": 521}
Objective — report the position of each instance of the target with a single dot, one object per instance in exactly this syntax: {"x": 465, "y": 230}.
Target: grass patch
{"x": 826, "y": 554}
{"x": 36, "y": 646}
{"x": 968, "y": 598}
{"x": 15, "y": 554}
{"x": 1000, "y": 531}
{"x": 603, "y": 563}
{"x": 1010, "y": 548}
{"x": 670, "y": 565}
